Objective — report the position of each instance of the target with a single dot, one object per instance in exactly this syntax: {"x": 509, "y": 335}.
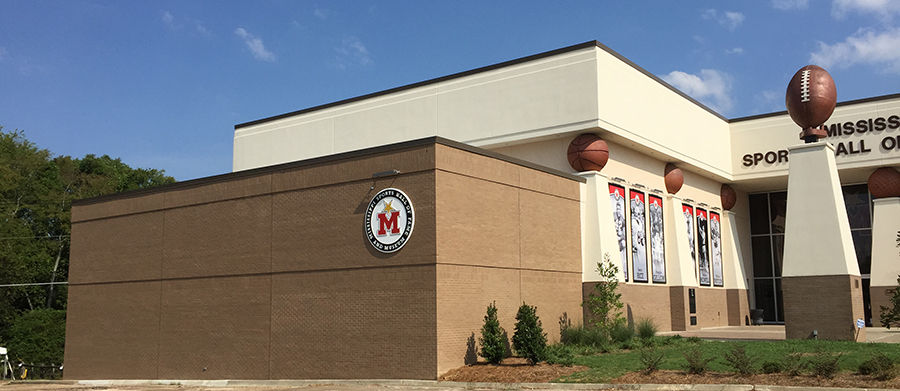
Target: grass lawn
{"x": 608, "y": 366}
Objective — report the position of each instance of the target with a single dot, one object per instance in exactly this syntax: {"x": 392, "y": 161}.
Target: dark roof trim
{"x": 845, "y": 103}
{"x": 551, "y": 53}
{"x": 323, "y": 160}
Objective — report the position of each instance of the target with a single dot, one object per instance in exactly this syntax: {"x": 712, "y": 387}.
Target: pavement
{"x": 773, "y": 333}
{"x": 729, "y": 333}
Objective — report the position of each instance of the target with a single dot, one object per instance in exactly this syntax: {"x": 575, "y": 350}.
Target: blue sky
{"x": 161, "y": 84}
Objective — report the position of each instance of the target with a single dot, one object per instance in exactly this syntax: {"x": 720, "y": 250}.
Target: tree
{"x": 605, "y": 302}
{"x": 529, "y": 340}
{"x": 891, "y": 315}
{"x": 36, "y": 194}
{"x": 492, "y": 343}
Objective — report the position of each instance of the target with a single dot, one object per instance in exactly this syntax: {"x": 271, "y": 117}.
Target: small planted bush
{"x": 772, "y": 367}
{"x": 621, "y": 332}
{"x": 529, "y": 340}
{"x": 824, "y": 364}
{"x": 696, "y": 362}
{"x": 493, "y": 346}
{"x": 646, "y": 329}
{"x": 738, "y": 358}
{"x": 793, "y": 364}
{"x": 651, "y": 360}
{"x": 560, "y": 354}
{"x": 879, "y": 366}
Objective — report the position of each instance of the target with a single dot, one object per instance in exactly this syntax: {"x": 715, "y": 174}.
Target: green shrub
{"x": 584, "y": 336}
{"x": 824, "y": 364}
{"x": 38, "y": 337}
{"x": 604, "y": 302}
{"x": 793, "y": 363}
{"x": 738, "y": 358}
{"x": 646, "y": 328}
{"x": 696, "y": 362}
{"x": 693, "y": 340}
{"x": 621, "y": 332}
{"x": 560, "y": 354}
{"x": 529, "y": 339}
{"x": 772, "y": 367}
{"x": 879, "y": 366}
{"x": 493, "y": 346}
{"x": 651, "y": 360}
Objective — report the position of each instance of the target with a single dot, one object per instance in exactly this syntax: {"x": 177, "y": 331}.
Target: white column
{"x": 679, "y": 263}
{"x": 885, "y": 253}
{"x": 733, "y": 262}
{"x": 817, "y": 239}
{"x": 598, "y": 231}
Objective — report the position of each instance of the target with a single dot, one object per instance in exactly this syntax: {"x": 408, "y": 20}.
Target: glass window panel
{"x": 856, "y": 199}
{"x": 779, "y": 302}
{"x": 765, "y": 298}
{"x": 778, "y": 257}
{"x": 759, "y": 214}
{"x": 862, "y": 242}
{"x": 866, "y": 283}
{"x": 762, "y": 256}
{"x": 777, "y": 209}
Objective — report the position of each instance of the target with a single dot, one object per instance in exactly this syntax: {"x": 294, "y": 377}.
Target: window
{"x": 767, "y": 217}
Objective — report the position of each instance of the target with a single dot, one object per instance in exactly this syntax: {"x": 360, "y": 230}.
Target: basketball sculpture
{"x": 729, "y": 197}
{"x": 674, "y": 178}
{"x": 588, "y": 152}
{"x": 885, "y": 182}
{"x": 810, "y": 100}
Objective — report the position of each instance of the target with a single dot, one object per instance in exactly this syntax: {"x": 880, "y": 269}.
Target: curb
{"x": 444, "y": 385}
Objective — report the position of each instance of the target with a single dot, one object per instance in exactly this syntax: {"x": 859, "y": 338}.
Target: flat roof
{"x": 326, "y": 159}
{"x": 581, "y": 46}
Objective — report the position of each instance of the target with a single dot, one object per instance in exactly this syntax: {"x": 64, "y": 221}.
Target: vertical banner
{"x": 617, "y": 199}
{"x": 657, "y": 239}
{"x": 638, "y": 236}
{"x": 689, "y": 219}
{"x": 703, "y": 247}
{"x": 715, "y": 248}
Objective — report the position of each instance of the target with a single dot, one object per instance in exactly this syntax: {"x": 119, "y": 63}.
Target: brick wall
{"x": 506, "y": 234}
{"x": 267, "y": 274}
{"x": 828, "y": 304}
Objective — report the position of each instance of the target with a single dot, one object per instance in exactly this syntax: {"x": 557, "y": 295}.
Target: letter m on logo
{"x": 388, "y": 223}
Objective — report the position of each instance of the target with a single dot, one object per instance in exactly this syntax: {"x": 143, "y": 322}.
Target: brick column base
{"x": 830, "y": 305}
{"x": 880, "y": 296}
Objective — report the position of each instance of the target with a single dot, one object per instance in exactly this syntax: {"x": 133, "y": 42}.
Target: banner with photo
{"x": 689, "y": 219}
{"x": 638, "y": 236}
{"x": 703, "y": 247}
{"x": 657, "y": 239}
{"x": 617, "y": 200}
{"x": 715, "y": 248}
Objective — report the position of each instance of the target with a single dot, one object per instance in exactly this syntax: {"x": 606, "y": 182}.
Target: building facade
{"x": 501, "y": 216}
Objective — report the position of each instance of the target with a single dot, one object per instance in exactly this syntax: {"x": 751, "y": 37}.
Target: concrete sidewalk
{"x": 773, "y": 333}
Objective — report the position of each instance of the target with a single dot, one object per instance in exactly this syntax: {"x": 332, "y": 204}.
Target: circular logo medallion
{"x": 389, "y": 220}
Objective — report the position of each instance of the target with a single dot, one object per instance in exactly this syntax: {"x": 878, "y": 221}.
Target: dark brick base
{"x": 829, "y": 305}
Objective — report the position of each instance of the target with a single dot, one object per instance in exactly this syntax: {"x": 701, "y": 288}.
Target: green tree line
{"x": 36, "y": 194}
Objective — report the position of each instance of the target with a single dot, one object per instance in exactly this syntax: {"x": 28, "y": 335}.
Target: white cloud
{"x": 202, "y": 30}
{"x": 168, "y": 19}
{"x": 883, "y": 9}
{"x": 255, "y": 45}
{"x": 769, "y": 101}
{"x": 711, "y": 87}
{"x": 178, "y": 24}
{"x": 322, "y": 13}
{"x": 790, "y": 4}
{"x": 863, "y": 47}
{"x": 731, "y": 20}
{"x": 352, "y": 51}
{"x": 734, "y": 51}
